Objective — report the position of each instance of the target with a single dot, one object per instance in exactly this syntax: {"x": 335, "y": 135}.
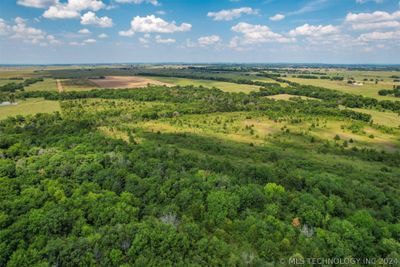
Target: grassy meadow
{"x": 368, "y": 89}
{"x": 224, "y": 86}
{"x": 29, "y": 107}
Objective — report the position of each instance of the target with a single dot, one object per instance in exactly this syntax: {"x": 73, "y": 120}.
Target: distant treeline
{"x": 207, "y": 100}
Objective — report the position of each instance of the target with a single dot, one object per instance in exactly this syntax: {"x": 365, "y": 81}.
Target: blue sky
{"x": 114, "y": 31}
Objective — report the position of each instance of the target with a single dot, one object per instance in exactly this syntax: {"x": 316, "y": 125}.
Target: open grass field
{"x": 29, "y": 107}
{"x": 4, "y": 81}
{"x": 48, "y": 84}
{"x": 126, "y": 82}
{"x": 13, "y": 72}
{"x": 261, "y": 131}
{"x": 288, "y": 97}
{"x": 224, "y": 86}
{"x": 386, "y": 118}
{"x": 368, "y": 89}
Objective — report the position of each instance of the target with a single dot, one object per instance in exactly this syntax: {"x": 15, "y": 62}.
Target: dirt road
{"x": 59, "y": 86}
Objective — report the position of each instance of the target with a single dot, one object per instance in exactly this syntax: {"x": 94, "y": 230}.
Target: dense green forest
{"x": 194, "y": 176}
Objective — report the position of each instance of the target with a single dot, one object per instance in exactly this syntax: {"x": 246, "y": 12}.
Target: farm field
{"x": 126, "y": 82}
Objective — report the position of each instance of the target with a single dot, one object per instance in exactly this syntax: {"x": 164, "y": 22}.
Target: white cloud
{"x": 84, "y": 31}
{"x": 253, "y": 34}
{"x": 4, "y": 27}
{"x": 374, "y": 20}
{"x": 21, "y": 31}
{"x": 380, "y": 36}
{"x": 313, "y": 31}
{"x": 72, "y": 8}
{"x": 85, "y": 42}
{"x": 52, "y": 40}
{"x": 164, "y": 41}
{"x": 60, "y": 12}
{"x": 127, "y": 33}
{"x": 89, "y": 41}
{"x": 376, "y": 25}
{"x": 153, "y": 2}
{"x": 372, "y": 17}
{"x": 37, "y": 3}
{"x": 90, "y": 18}
{"x": 230, "y": 14}
{"x": 277, "y": 17}
{"x": 152, "y": 23}
{"x": 209, "y": 40}
{"x": 144, "y": 40}
{"x": 102, "y": 36}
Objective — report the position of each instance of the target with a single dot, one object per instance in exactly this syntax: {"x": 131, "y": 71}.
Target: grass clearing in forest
{"x": 386, "y": 118}
{"x": 368, "y": 89}
{"x": 29, "y": 107}
{"x": 224, "y": 86}
{"x": 288, "y": 97}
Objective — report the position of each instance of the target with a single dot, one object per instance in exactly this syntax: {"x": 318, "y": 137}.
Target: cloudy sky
{"x": 112, "y": 31}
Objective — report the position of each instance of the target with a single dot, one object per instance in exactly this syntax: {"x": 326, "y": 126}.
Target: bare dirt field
{"x": 126, "y": 82}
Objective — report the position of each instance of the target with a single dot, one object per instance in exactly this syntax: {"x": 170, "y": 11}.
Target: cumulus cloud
{"x": 164, "y": 41}
{"x": 60, "y": 12}
{"x": 21, "y": 31}
{"x": 153, "y": 2}
{"x": 372, "y": 17}
{"x": 277, "y": 17}
{"x": 314, "y": 31}
{"x": 84, "y": 31}
{"x": 209, "y": 40}
{"x": 72, "y": 8}
{"x": 102, "y": 36}
{"x": 90, "y": 18}
{"x": 230, "y": 14}
{"x": 151, "y": 23}
{"x": 4, "y": 27}
{"x": 37, "y": 3}
{"x": 253, "y": 34}
{"x": 374, "y": 20}
{"x": 380, "y": 36}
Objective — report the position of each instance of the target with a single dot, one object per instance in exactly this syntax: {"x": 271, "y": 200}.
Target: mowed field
{"x": 126, "y": 82}
{"x": 224, "y": 86}
{"x": 29, "y": 107}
